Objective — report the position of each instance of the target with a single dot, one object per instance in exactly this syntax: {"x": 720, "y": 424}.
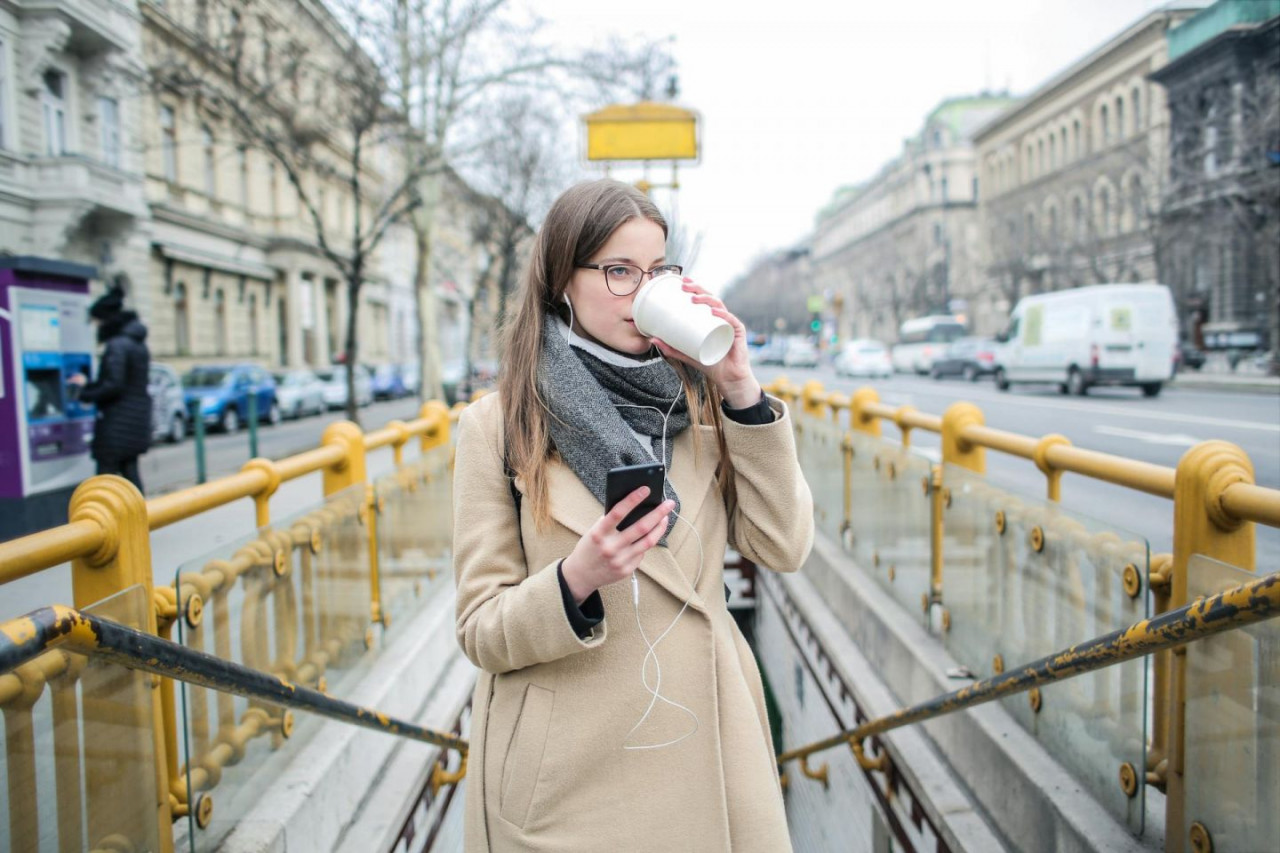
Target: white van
{"x": 1107, "y": 334}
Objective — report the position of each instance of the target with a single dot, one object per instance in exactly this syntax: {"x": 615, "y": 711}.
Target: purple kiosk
{"x": 45, "y": 432}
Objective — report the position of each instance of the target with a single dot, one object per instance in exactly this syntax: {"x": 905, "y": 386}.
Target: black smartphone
{"x": 625, "y": 480}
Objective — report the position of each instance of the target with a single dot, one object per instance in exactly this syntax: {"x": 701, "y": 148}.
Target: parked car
{"x": 411, "y": 375}
{"x": 335, "y": 386}
{"x": 1105, "y": 334}
{"x": 864, "y": 357}
{"x": 772, "y": 352}
{"x": 968, "y": 358}
{"x": 299, "y": 392}
{"x": 800, "y": 353}
{"x": 222, "y": 393}
{"x": 168, "y": 404}
{"x": 388, "y": 382}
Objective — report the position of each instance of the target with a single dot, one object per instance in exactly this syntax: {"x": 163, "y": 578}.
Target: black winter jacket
{"x": 123, "y": 428}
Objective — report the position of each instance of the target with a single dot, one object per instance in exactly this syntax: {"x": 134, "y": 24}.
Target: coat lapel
{"x": 573, "y": 506}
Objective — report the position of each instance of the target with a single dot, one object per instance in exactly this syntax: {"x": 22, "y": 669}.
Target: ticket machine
{"x": 45, "y": 432}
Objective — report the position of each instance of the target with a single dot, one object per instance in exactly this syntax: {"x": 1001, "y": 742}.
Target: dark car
{"x": 968, "y": 358}
{"x": 222, "y": 393}
{"x": 1189, "y": 355}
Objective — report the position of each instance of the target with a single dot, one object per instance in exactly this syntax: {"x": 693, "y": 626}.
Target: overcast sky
{"x": 798, "y": 97}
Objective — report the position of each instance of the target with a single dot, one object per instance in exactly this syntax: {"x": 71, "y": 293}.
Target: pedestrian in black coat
{"x": 122, "y": 432}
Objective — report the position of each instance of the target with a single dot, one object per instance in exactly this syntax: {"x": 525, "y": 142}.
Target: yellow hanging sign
{"x": 643, "y": 131}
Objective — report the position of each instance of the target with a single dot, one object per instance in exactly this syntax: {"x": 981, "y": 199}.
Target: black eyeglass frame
{"x": 674, "y": 269}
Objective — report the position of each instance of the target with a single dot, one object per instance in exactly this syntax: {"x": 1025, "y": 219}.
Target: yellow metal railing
{"x": 1215, "y": 506}
{"x": 107, "y": 542}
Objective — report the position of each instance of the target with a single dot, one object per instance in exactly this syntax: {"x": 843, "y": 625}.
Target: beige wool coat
{"x": 551, "y": 713}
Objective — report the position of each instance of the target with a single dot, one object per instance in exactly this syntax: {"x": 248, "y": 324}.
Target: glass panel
{"x": 1050, "y": 580}
{"x": 1232, "y": 723}
{"x": 415, "y": 532}
{"x": 822, "y": 461}
{"x": 889, "y": 533}
{"x": 79, "y": 765}
{"x": 293, "y": 600}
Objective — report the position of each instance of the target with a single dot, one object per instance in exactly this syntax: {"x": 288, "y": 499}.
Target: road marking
{"x": 1087, "y": 408}
{"x": 1175, "y": 439}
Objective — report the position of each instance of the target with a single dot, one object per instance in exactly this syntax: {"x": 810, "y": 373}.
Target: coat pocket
{"x": 524, "y": 756}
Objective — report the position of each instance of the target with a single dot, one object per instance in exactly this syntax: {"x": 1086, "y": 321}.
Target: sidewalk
{"x": 1205, "y": 380}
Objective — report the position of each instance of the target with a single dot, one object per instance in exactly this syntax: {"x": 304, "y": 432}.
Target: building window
{"x": 1053, "y": 223}
{"x": 109, "y": 126}
{"x": 181, "y": 330}
{"x": 1104, "y": 125}
{"x": 1077, "y": 217}
{"x": 1040, "y": 164}
{"x": 4, "y": 95}
{"x": 1104, "y": 211}
{"x": 943, "y": 187}
{"x": 1053, "y": 151}
{"x": 1136, "y": 104}
{"x": 253, "y": 323}
{"x": 210, "y": 161}
{"x": 242, "y": 161}
{"x": 273, "y": 188}
{"x": 220, "y": 320}
{"x": 1120, "y": 132}
{"x": 1063, "y": 145}
{"x": 1076, "y": 151}
{"x": 169, "y": 144}
{"x": 55, "y": 113}
{"x": 1137, "y": 204}
{"x": 975, "y": 189}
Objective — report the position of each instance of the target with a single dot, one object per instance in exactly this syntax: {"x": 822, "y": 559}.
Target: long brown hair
{"x": 578, "y": 224}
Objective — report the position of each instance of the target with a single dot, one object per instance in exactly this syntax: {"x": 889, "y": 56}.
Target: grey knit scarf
{"x": 588, "y": 395}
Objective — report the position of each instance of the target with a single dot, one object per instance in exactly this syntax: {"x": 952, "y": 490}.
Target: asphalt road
{"x": 168, "y": 467}
{"x": 1112, "y": 420}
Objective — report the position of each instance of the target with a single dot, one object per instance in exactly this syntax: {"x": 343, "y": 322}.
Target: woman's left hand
{"x": 732, "y": 375}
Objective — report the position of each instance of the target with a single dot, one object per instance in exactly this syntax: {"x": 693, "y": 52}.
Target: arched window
{"x": 1063, "y": 145}
{"x": 1053, "y": 151}
{"x": 1120, "y": 131}
{"x": 1040, "y": 165}
{"x": 1077, "y": 217}
{"x": 1053, "y": 223}
{"x": 181, "y": 329}
{"x": 1137, "y": 202}
{"x": 1104, "y": 211}
{"x": 220, "y": 320}
{"x": 1076, "y": 151}
{"x": 1135, "y": 104}
{"x": 1104, "y": 125}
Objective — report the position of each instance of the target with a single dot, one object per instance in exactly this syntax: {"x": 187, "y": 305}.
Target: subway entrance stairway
{"x": 957, "y": 666}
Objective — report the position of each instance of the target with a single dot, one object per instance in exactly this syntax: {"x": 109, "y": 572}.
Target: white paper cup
{"x": 663, "y": 309}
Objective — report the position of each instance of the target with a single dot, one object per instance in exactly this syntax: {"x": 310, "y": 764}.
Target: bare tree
{"x": 309, "y": 87}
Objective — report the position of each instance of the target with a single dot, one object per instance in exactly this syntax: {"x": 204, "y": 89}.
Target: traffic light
{"x": 816, "y": 323}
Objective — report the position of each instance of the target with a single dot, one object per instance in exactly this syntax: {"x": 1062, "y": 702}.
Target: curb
{"x": 1204, "y": 383}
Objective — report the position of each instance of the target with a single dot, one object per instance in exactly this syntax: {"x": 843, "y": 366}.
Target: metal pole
{"x": 197, "y": 420}
{"x": 253, "y": 422}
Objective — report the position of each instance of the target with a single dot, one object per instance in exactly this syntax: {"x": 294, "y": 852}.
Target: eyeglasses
{"x": 623, "y": 279}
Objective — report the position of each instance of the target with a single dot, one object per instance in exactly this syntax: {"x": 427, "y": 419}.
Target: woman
{"x": 572, "y": 746}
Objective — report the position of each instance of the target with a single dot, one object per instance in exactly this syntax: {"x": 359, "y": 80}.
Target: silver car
{"x": 168, "y": 406}
{"x": 299, "y": 392}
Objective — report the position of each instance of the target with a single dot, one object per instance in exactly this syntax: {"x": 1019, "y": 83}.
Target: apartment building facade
{"x": 1071, "y": 176}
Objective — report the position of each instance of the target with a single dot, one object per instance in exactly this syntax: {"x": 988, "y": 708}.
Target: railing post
{"x": 439, "y": 434}
{"x": 348, "y": 473}
{"x": 124, "y": 560}
{"x": 955, "y": 451}
{"x": 813, "y": 398}
{"x": 1053, "y": 476}
{"x": 1200, "y": 526}
{"x": 858, "y": 417}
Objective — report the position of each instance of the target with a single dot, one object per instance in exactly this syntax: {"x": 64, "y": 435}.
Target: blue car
{"x": 388, "y": 382}
{"x": 222, "y": 393}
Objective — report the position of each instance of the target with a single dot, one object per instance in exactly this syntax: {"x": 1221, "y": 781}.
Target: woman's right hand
{"x": 606, "y": 554}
